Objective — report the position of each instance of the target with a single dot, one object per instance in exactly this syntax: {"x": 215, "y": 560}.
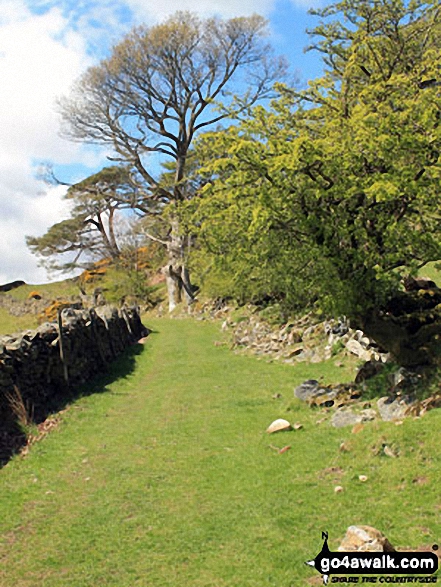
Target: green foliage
{"x": 91, "y": 231}
{"x": 380, "y": 384}
{"x": 332, "y": 194}
{"x": 66, "y": 236}
{"x": 131, "y": 286}
{"x": 172, "y": 77}
{"x": 337, "y": 348}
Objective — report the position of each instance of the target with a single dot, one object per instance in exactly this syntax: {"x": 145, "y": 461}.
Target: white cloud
{"x": 44, "y": 46}
{"x": 29, "y": 216}
{"x": 225, "y": 8}
{"x": 39, "y": 60}
{"x": 154, "y": 11}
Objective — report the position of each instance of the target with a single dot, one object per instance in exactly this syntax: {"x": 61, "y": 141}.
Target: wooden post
{"x": 61, "y": 347}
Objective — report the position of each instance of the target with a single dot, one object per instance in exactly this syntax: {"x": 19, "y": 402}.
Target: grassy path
{"x": 167, "y": 478}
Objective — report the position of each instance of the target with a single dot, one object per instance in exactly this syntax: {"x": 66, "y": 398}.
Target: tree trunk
{"x": 112, "y": 250}
{"x": 409, "y": 327}
{"x": 177, "y": 275}
{"x": 187, "y": 285}
{"x": 112, "y": 238}
{"x": 172, "y": 288}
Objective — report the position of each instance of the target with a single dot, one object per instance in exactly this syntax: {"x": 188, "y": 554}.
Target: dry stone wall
{"x": 44, "y": 365}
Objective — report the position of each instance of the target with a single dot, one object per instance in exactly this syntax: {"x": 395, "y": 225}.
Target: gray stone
{"x": 309, "y": 390}
{"x": 32, "y": 362}
{"x": 356, "y": 348}
{"x": 368, "y": 415}
{"x": 393, "y": 408}
{"x": 346, "y": 417}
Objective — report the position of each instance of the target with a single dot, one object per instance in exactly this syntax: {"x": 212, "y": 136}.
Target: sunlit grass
{"x": 11, "y": 324}
{"x": 168, "y": 477}
{"x": 53, "y": 290}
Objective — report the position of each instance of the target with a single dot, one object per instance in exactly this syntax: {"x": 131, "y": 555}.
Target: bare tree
{"x": 160, "y": 86}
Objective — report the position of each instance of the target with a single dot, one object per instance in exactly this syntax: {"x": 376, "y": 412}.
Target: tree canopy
{"x": 158, "y": 89}
{"x": 159, "y": 86}
{"x": 332, "y": 194}
{"x": 90, "y": 233}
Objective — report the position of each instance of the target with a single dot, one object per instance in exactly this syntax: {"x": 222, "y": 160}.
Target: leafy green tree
{"x": 345, "y": 174}
{"x": 158, "y": 89}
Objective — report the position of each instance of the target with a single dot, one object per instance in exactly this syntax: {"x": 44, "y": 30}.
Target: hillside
{"x": 24, "y": 307}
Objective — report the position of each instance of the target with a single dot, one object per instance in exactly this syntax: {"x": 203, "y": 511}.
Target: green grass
{"x": 432, "y": 271}
{"x": 166, "y": 478}
{"x": 11, "y": 324}
{"x": 56, "y": 289}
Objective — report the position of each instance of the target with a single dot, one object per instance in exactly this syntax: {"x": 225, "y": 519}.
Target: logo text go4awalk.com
{"x": 375, "y": 563}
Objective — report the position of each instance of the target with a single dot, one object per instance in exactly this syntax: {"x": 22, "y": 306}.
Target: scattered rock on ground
{"x": 365, "y": 539}
{"x": 309, "y": 390}
{"x": 390, "y": 452}
{"x": 347, "y": 417}
{"x": 278, "y": 426}
{"x": 356, "y": 348}
{"x": 394, "y": 408}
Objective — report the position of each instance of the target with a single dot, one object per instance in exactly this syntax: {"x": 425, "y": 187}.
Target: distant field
{"x": 11, "y": 324}
{"x": 165, "y": 477}
{"x": 432, "y": 272}
{"x": 54, "y": 290}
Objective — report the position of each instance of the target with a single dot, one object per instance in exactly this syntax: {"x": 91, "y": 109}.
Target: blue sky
{"x": 44, "y": 46}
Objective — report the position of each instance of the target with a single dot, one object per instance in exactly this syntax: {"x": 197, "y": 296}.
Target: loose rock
{"x": 365, "y": 539}
{"x": 346, "y": 417}
{"x": 279, "y": 425}
{"x": 393, "y": 408}
{"x": 368, "y": 370}
{"x": 309, "y": 390}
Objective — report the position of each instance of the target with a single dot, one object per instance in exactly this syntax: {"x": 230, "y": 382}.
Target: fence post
{"x": 61, "y": 347}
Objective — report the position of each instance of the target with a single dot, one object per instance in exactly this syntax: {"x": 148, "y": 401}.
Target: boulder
{"x": 309, "y": 390}
{"x": 368, "y": 370}
{"x": 356, "y": 348}
{"x": 365, "y": 539}
{"x": 347, "y": 417}
{"x": 415, "y": 284}
{"x": 391, "y": 408}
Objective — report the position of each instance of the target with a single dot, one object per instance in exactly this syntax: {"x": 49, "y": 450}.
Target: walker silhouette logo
{"x": 374, "y": 563}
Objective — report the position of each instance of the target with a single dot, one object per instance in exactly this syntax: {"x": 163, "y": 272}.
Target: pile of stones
{"x": 345, "y": 402}
{"x": 22, "y": 307}
{"x": 300, "y": 340}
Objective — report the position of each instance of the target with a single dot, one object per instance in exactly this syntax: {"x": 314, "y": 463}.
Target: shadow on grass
{"x": 118, "y": 370}
{"x": 13, "y": 436}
